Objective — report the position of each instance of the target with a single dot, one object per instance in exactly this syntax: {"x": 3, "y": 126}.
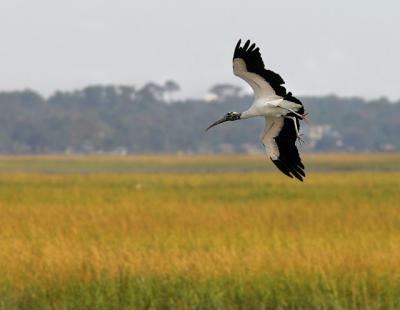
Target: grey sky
{"x": 351, "y": 48}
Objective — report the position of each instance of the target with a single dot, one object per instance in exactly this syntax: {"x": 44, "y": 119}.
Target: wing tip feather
{"x": 246, "y": 48}
{"x": 282, "y": 167}
{"x": 246, "y": 45}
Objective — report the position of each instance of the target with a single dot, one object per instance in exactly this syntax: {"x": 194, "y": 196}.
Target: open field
{"x": 199, "y": 232}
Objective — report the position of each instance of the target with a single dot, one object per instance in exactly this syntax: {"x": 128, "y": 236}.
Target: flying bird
{"x": 281, "y": 110}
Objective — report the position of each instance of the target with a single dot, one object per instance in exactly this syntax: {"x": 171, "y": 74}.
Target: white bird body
{"x": 274, "y": 107}
{"x": 281, "y": 110}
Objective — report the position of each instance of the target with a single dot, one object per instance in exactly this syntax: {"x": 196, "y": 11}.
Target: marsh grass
{"x": 106, "y": 240}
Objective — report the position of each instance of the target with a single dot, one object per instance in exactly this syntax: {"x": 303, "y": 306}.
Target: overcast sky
{"x": 351, "y": 48}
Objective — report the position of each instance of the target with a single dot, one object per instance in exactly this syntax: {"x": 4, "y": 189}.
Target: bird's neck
{"x": 248, "y": 114}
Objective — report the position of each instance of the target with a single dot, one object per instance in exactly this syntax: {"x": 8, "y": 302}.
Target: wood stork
{"x": 281, "y": 110}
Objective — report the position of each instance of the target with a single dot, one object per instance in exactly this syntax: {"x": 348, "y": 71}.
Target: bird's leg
{"x": 295, "y": 126}
{"x": 305, "y": 118}
{"x": 301, "y": 116}
{"x": 298, "y": 135}
{"x": 297, "y": 114}
{"x": 301, "y": 139}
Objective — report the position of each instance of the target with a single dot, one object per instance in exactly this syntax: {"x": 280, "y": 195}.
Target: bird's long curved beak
{"x": 216, "y": 123}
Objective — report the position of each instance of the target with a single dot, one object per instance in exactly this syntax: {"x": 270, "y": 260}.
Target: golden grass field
{"x": 199, "y": 232}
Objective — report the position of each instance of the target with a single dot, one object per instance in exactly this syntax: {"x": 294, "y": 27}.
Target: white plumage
{"x": 273, "y": 125}
{"x": 282, "y": 111}
{"x": 260, "y": 87}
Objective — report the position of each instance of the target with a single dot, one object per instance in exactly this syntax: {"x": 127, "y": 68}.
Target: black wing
{"x": 254, "y": 64}
{"x": 288, "y": 160}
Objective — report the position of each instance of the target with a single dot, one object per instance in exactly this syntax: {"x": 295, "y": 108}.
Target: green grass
{"x": 275, "y": 291}
{"x": 199, "y": 237}
{"x": 191, "y": 163}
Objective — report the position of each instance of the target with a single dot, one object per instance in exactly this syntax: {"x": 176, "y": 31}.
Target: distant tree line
{"x": 150, "y": 119}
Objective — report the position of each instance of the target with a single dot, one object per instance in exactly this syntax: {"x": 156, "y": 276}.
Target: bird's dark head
{"x": 231, "y": 116}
